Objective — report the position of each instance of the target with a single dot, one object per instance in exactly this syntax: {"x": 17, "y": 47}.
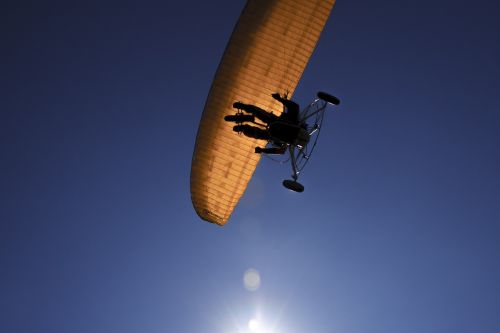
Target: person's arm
{"x": 278, "y": 97}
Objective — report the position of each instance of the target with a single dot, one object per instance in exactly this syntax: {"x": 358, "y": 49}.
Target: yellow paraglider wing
{"x": 267, "y": 52}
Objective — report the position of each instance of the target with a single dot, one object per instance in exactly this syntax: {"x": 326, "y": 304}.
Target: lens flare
{"x": 251, "y": 279}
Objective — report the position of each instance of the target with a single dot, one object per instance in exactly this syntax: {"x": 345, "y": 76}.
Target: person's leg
{"x": 252, "y": 132}
{"x": 272, "y": 150}
{"x": 261, "y": 114}
{"x": 240, "y": 118}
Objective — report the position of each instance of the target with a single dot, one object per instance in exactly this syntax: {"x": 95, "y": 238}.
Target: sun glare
{"x": 253, "y": 325}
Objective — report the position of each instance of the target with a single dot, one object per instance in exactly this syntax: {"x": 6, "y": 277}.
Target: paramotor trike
{"x": 292, "y": 131}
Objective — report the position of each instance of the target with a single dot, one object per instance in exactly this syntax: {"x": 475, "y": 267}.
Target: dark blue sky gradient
{"x": 397, "y": 231}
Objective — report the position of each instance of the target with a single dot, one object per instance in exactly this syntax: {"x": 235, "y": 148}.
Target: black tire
{"x": 328, "y": 98}
{"x": 293, "y": 185}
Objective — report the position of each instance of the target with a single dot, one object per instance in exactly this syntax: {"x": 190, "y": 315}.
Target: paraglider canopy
{"x": 267, "y": 53}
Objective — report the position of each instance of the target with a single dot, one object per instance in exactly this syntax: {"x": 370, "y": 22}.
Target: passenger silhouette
{"x": 281, "y": 130}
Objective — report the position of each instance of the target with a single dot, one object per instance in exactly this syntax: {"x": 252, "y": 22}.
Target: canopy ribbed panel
{"x": 268, "y": 51}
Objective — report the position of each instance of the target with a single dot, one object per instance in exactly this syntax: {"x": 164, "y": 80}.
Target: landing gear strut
{"x": 293, "y": 185}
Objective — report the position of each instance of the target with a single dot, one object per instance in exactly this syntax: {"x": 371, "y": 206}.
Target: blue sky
{"x": 397, "y": 230}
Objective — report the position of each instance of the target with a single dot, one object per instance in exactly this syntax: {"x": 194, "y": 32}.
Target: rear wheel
{"x": 293, "y": 185}
{"x": 328, "y": 98}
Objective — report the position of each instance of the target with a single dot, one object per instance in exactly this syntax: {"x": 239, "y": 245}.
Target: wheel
{"x": 293, "y": 185}
{"x": 328, "y": 98}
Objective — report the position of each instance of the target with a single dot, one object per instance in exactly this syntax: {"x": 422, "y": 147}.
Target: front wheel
{"x": 328, "y": 98}
{"x": 293, "y": 185}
